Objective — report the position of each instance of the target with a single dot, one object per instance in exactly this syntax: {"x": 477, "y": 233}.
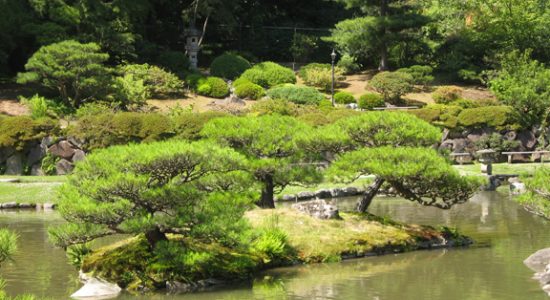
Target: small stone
{"x": 305, "y": 195}
{"x": 97, "y": 289}
{"x": 63, "y": 167}
{"x": 27, "y": 205}
{"x": 350, "y": 191}
{"x": 62, "y": 149}
{"x": 79, "y": 155}
{"x": 288, "y": 198}
{"x": 49, "y": 206}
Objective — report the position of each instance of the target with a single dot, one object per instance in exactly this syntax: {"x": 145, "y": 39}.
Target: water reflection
{"x": 493, "y": 269}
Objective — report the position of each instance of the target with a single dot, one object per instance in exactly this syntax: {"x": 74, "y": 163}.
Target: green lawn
{"x": 502, "y": 168}
{"x": 293, "y": 189}
{"x": 30, "y": 189}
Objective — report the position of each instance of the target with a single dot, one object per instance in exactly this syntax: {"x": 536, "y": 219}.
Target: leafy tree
{"x": 185, "y": 189}
{"x": 524, "y": 84}
{"x": 385, "y": 24}
{"x": 392, "y": 85}
{"x": 75, "y": 70}
{"x": 271, "y": 144}
{"x": 417, "y": 174}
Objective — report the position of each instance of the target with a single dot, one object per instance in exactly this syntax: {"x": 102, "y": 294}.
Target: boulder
{"x": 352, "y": 106}
{"x": 36, "y": 170}
{"x": 76, "y": 142}
{"x": 5, "y": 153}
{"x": 95, "y": 288}
{"x": 14, "y": 165}
{"x": 47, "y": 141}
{"x": 63, "y": 167}
{"x": 288, "y": 198}
{"x": 538, "y": 260}
{"x": 527, "y": 139}
{"x": 516, "y": 187}
{"x": 49, "y": 206}
{"x": 318, "y": 209}
{"x": 27, "y": 205}
{"x": 62, "y": 149}
{"x": 305, "y": 195}
{"x": 323, "y": 194}
{"x": 36, "y": 154}
{"x": 350, "y": 191}
{"x": 10, "y": 205}
{"x": 79, "y": 155}
{"x": 511, "y": 135}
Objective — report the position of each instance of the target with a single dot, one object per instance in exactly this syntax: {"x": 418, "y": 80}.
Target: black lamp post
{"x": 333, "y": 56}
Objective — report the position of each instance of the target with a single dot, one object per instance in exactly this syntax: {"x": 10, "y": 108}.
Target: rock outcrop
{"x": 319, "y": 209}
{"x": 540, "y": 263}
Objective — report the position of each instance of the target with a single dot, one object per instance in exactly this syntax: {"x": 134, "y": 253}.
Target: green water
{"x": 493, "y": 269}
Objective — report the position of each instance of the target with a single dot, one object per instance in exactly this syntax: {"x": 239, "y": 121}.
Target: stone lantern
{"x": 192, "y": 35}
{"x": 486, "y": 158}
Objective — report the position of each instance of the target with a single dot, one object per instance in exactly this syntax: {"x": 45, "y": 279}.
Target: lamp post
{"x": 333, "y": 56}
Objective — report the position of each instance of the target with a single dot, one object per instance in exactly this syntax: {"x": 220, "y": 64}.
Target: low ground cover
{"x": 30, "y": 189}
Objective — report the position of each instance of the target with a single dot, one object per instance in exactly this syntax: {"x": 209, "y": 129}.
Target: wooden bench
{"x": 542, "y": 154}
{"x": 460, "y": 157}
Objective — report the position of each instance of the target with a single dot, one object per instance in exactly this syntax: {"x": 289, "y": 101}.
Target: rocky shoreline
{"x": 540, "y": 263}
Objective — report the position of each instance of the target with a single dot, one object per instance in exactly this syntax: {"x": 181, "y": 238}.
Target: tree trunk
{"x": 154, "y": 236}
{"x": 266, "y": 201}
{"x": 383, "y": 66}
{"x": 369, "y": 194}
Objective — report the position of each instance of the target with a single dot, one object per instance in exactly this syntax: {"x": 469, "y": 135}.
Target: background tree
{"x": 271, "y": 144}
{"x": 387, "y": 28}
{"x": 186, "y": 189}
{"x": 524, "y": 84}
{"x": 75, "y": 70}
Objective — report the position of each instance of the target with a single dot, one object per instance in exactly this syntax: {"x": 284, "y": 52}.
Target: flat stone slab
{"x": 97, "y": 289}
{"x": 538, "y": 260}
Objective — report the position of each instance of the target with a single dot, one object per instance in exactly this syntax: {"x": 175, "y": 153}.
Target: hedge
{"x": 214, "y": 87}
{"x": 229, "y": 66}
{"x": 269, "y": 74}
{"x": 17, "y": 132}
{"x": 499, "y": 117}
{"x": 249, "y": 90}
{"x": 370, "y": 101}
{"x": 344, "y": 98}
{"x": 296, "y": 94}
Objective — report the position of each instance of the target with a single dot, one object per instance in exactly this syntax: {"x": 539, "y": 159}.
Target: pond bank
{"x": 307, "y": 240}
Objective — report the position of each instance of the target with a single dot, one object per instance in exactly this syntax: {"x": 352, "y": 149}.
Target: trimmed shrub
{"x": 41, "y": 107}
{"x": 296, "y": 94}
{"x": 159, "y": 83}
{"x": 315, "y": 119}
{"x": 229, "y": 66}
{"x": 271, "y": 106}
{"x": 240, "y": 81}
{"x": 18, "y": 132}
{"x": 193, "y": 80}
{"x": 249, "y": 90}
{"x": 344, "y": 98}
{"x": 213, "y": 87}
{"x": 447, "y": 94}
{"x": 104, "y": 130}
{"x": 348, "y": 64}
{"x": 370, "y": 101}
{"x": 269, "y": 74}
{"x": 320, "y": 75}
{"x": 499, "y": 117}
{"x": 392, "y": 85}
{"x": 422, "y": 75}
{"x": 189, "y": 125}
{"x": 127, "y": 90}
{"x": 174, "y": 61}
{"x": 439, "y": 114}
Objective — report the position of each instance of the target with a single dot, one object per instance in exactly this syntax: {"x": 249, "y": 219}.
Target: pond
{"x": 505, "y": 235}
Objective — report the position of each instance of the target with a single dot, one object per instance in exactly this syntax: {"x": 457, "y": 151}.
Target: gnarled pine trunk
{"x": 369, "y": 194}
{"x": 266, "y": 200}
{"x": 154, "y": 236}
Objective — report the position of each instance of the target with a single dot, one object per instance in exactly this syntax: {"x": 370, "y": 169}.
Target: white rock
{"x": 96, "y": 289}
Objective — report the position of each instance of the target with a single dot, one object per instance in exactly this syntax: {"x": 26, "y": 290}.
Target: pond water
{"x": 505, "y": 235}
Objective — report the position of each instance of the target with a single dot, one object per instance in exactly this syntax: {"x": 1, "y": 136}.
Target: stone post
{"x": 486, "y": 158}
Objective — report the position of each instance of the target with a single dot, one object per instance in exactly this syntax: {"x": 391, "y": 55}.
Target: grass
{"x": 502, "y": 168}
{"x": 30, "y": 189}
{"x": 294, "y": 189}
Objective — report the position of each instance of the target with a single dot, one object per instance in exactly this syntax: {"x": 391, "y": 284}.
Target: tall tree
{"x": 387, "y": 25}
{"x": 271, "y": 144}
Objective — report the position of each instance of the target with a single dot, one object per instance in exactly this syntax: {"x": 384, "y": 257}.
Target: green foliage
{"x": 18, "y": 132}
{"x": 500, "y": 117}
{"x": 229, "y": 66}
{"x": 496, "y": 142}
{"x": 213, "y": 87}
{"x": 104, "y": 130}
{"x": 348, "y": 64}
{"x": 272, "y": 244}
{"x": 537, "y": 198}
{"x": 48, "y": 164}
{"x": 41, "y": 107}
{"x": 296, "y": 94}
{"x": 77, "y": 253}
{"x": 447, "y": 94}
{"x": 439, "y": 114}
{"x": 524, "y": 84}
{"x": 129, "y": 189}
{"x": 392, "y": 85}
{"x": 174, "y": 61}
{"x": 279, "y": 107}
{"x": 320, "y": 75}
{"x": 129, "y": 91}
{"x": 417, "y": 174}
{"x": 371, "y": 100}
{"x": 73, "y": 69}
{"x": 249, "y": 90}
{"x": 193, "y": 80}
{"x": 422, "y": 75}
{"x": 95, "y": 108}
{"x": 8, "y": 244}
{"x": 269, "y": 74}
{"x": 344, "y": 98}
{"x": 189, "y": 125}
{"x": 159, "y": 83}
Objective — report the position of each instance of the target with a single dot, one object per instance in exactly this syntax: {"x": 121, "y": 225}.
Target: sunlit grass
{"x": 30, "y": 189}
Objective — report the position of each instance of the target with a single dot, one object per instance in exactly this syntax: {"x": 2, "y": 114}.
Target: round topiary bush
{"x": 344, "y": 98}
{"x": 249, "y": 90}
{"x": 193, "y": 80}
{"x": 296, "y": 94}
{"x": 174, "y": 61}
{"x": 370, "y": 101}
{"x": 447, "y": 94}
{"x": 229, "y": 66}
{"x": 392, "y": 85}
{"x": 269, "y": 74}
{"x": 213, "y": 87}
